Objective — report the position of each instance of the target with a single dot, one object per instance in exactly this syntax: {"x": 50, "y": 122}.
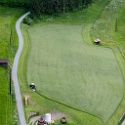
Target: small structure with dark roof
{"x": 4, "y": 62}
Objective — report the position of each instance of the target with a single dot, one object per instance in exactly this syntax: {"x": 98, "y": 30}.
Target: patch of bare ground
{"x": 55, "y": 115}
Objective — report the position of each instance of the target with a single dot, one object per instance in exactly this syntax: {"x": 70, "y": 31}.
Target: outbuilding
{"x": 97, "y": 41}
{"x": 4, "y": 62}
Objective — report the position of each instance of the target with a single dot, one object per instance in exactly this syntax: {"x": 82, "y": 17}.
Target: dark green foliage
{"x": 121, "y": 120}
{"x": 28, "y": 21}
{"x": 39, "y": 7}
{"x": 15, "y": 3}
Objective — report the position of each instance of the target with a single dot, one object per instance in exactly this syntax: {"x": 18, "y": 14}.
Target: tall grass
{"x": 119, "y": 36}
{"x": 105, "y": 26}
{"x": 8, "y": 17}
{"x": 105, "y": 29}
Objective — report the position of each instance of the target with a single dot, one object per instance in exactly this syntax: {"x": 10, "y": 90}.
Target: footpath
{"x": 15, "y": 72}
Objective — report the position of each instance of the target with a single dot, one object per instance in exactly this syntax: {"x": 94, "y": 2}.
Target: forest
{"x": 39, "y": 7}
{"x": 56, "y": 6}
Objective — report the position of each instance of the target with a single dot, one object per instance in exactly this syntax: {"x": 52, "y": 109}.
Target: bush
{"x": 28, "y": 21}
{"x": 121, "y": 120}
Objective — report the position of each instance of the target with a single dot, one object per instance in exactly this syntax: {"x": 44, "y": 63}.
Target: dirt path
{"x": 15, "y": 75}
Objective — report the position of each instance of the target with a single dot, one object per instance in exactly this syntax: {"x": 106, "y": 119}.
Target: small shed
{"x": 97, "y": 41}
{"x": 4, "y": 62}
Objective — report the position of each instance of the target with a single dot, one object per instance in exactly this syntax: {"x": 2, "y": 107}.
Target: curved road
{"x": 15, "y": 72}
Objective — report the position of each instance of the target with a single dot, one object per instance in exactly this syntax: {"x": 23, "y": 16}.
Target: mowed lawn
{"x": 66, "y": 69}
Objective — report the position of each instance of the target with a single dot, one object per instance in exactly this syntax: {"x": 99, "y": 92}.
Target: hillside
{"x": 85, "y": 77}
{"x": 44, "y": 78}
{"x": 8, "y": 17}
{"x": 89, "y": 79}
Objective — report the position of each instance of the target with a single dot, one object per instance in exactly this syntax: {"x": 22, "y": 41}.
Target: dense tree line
{"x": 15, "y": 3}
{"x": 56, "y": 6}
{"x": 39, "y": 7}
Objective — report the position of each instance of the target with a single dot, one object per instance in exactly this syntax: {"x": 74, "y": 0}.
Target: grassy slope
{"x": 8, "y": 17}
{"x": 106, "y": 25}
{"x": 5, "y": 102}
{"x": 82, "y": 17}
{"x": 70, "y": 18}
{"x": 84, "y": 77}
{"x": 43, "y": 105}
{"x": 119, "y": 36}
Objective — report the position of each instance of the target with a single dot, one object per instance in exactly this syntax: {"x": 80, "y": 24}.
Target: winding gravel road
{"x": 15, "y": 72}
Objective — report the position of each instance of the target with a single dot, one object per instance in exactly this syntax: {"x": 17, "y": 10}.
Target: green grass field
{"x": 5, "y": 99}
{"x": 105, "y": 26}
{"x": 85, "y": 77}
{"x": 8, "y": 17}
{"x": 88, "y": 17}
{"x": 120, "y": 29}
{"x": 109, "y": 27}
{"x": 72, "y": 72}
